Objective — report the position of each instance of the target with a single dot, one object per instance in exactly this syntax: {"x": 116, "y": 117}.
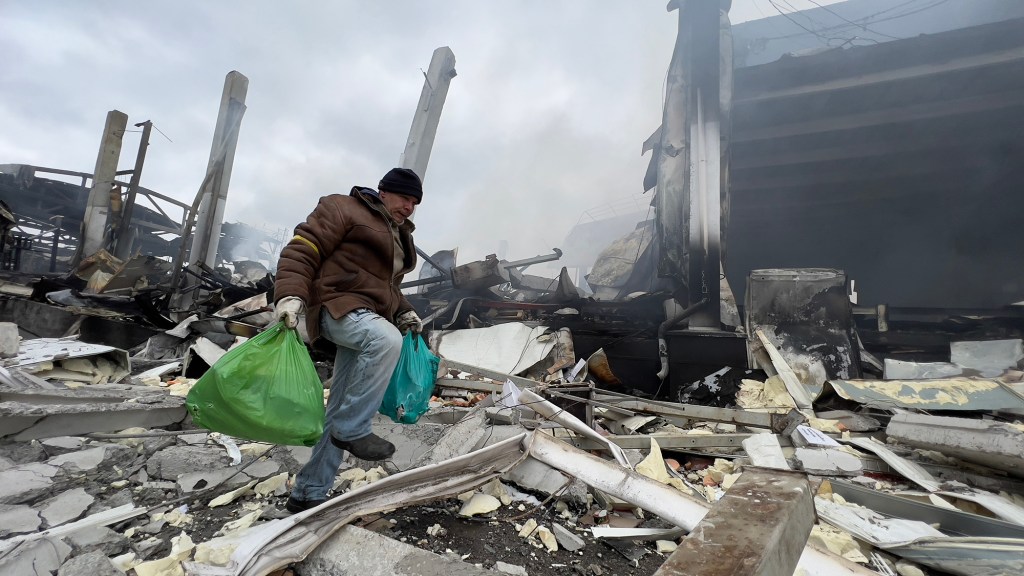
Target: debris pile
{"x": 534, "y": 458}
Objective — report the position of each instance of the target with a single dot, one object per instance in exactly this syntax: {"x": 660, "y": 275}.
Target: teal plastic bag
{"x": 266, "y": 390}
{"x": 412, "y": 383}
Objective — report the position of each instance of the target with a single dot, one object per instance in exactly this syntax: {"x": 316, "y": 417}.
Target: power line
{"x": 859, "y": 25}
{"x": 808, "y": 30}
{"x": 868, "y": 19}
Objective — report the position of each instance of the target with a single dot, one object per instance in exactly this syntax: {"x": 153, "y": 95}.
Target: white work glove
{"x": 409, "y": 320}
{"x": 287, "y": 310}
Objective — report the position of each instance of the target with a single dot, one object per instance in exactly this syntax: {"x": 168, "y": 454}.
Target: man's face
{"x": 399, "y": 206}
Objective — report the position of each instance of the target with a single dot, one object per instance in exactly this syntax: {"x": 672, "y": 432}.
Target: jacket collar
{"x": 372, "y": 199}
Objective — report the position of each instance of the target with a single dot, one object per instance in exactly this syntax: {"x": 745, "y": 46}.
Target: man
{"x": 343, "y": 268}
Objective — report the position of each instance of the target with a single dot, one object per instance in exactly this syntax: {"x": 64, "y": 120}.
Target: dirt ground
{"x": 486, "y": 541}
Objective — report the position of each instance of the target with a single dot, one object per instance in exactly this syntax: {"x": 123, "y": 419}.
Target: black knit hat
{"x": 402, "y": 181}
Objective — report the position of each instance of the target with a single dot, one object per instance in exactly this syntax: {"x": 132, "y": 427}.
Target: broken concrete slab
{"x": 83, "y": 460}
{"x": 26, "y": 482}
{"x": 566, "y": 538}
{"x": 997, "y": 445}
{"x": 192, "y": 481}
{"x": 535, "y": 475}
{"x": 458, "y": 439}
{"x": 93, "y": 564}
{"x": 65, "y": 507}
{"x": 18, "y": 519}
{"x": 37, "y": 558}
{"x": 62, "y": 444}
{"x": 828, "y": 462}
{"x": 23, "y": 452}
{"x": 27, "y": 415}
{"x": 411, "y": 442}
{"x": 172, "y": 462}
{"x": 764, "y": 451}
{"x": 345, "y": 553}
{"x": 509, "y": 569}
{"x": 97, "y": 539}
{"x": 263, "y": 469}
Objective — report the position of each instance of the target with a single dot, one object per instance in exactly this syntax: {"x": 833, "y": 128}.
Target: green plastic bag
{"x": 266, "y": 390}
{"x": 412, "y": 383}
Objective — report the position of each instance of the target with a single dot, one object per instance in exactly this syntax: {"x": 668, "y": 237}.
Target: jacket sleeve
{"x": 403, "y": 303}
{"x": 314, "y": 240}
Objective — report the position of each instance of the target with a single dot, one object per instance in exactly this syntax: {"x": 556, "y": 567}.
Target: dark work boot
{"x": 369, "y": 447}
{"x": 295, "y": 505}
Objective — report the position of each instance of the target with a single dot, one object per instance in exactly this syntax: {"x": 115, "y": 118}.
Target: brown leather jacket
{"x": 343, "y": 258}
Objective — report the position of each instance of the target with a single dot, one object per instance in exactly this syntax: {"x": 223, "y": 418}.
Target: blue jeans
{"x": 368, "y": 350}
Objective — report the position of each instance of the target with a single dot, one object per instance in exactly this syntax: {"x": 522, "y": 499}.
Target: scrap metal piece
{"x": 795, "y": 387}
{"x": 951, "y": 521}
{"x": 968, "y": 556}
{"x": 872, "y": 527}
{"x": 480, "y": 274}
{"x": 276, "y": 544}
{"x": 511, "y": 347}
{"x": 39, "y": 351}
{"x": 955, "y": 394}
{"x": 760, "y": 527}
{"x": 919, "y": 542}
{"x": 910, "y": 470}
{"x": 617, "y": 400}
{"x": 521, "y": 264}
{"x": 530, "y": 399}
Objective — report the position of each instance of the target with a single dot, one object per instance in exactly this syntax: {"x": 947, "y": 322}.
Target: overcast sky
{"x": 544, "y": 121}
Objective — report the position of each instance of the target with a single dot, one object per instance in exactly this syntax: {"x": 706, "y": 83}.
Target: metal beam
{"x": 522, "y": 264}
{"x": 447, "y": 364}
{"x": 125, "y": 232}
{"x": 759, "y": 528}
{"x": 691, "y": 411}
{"x": 678, "y": 441}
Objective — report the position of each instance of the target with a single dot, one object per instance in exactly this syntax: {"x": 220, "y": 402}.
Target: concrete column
{"x": 97, "y": 210}
{"x": 759, "y": 528}
{"x": 206, "y": 238}
{"x": 428, "y": 112}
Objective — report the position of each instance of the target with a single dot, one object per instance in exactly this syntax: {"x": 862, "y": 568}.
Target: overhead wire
{"x": 786, "y": 15}
{"x": 862, "y": 26}
{"x": 869, "y": 19}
